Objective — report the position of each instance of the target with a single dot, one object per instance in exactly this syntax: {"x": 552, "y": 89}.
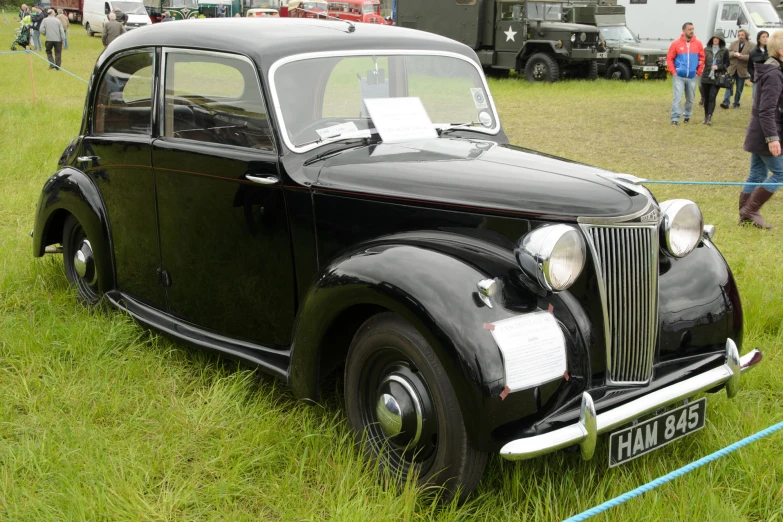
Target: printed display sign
{"x": 533, "y": 349}
{"x": 479, "y": 99}
{"x": 400, "y": 119}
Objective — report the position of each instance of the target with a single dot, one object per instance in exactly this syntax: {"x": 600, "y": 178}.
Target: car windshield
{"x": 323, "y": 99}
{"x": 368, "y": 8}
{"x": 130, "y": 7}
{"x": 763, "y": 14}
{"x": 314, "y": 6}
{"x": 619, "y": 33}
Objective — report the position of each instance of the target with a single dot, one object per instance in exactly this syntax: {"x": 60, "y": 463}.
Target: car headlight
{"x": 573, "y": 37}
{"x": 552, "y": 255}
{"x": 641, "y": 59}
{"x": 681, "y": 227}
{"x": 583, "y": 37}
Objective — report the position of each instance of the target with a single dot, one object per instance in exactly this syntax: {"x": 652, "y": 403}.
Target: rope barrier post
{"x": 32, "y": 77}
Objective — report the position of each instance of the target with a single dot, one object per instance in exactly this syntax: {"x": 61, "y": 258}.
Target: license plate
{"x": 602, "y": 55}
{"x": 627, "y": 444}
{"x": 650, "y": 68}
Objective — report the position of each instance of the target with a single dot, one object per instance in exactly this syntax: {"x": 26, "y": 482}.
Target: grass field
{"x": 102, "y": 420}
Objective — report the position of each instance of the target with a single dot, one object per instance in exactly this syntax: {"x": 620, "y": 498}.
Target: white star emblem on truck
{"x": 510, "y": 34}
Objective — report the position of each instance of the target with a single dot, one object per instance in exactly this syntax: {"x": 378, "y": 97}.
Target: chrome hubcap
{"x": 84, "y": 263}
{"x": 399, "y": 410}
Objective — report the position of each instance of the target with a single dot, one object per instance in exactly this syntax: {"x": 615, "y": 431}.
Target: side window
{"x": 124, "y": 99}
{"x": 214, "y": 99}
{"x": 106, "y": 8}
{"x": 730, "y": 12}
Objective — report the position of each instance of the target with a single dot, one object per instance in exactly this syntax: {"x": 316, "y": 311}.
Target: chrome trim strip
{"x": 369, "y": 52}
{"x": 618, "y": 221}
{"x": 584, "y": 432}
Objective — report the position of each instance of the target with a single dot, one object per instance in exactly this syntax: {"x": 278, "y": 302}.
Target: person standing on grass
{"x": 53, "y": 30}
{"x": 121, "y": 17}
{"x": 166, "y": 17}
{"x": 717, "y": 60}
{"x": 739, "y": 53}
{"x": 36, "y": 18}
{"x": 66, "y": 24}
{"x": 23, "y": 11}
{"x": 221, "y": 10}
{"x": 757, "y": 55}
{"x": 762, "y": 138}
{"x": 685, "y": 62}
{"x": 111, "y": 30}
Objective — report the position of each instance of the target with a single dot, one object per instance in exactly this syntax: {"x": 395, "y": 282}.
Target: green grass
{"x": 102, "y": 420}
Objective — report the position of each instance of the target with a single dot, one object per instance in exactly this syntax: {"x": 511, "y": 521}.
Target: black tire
{"x": 542, "y": 67}
{"x": 618, "y": 71}
{"x": 89, "y": 31}
{"x": 86, "y": 280}
{"x": 389, "y": 357}
{"x": 592, "y": 70}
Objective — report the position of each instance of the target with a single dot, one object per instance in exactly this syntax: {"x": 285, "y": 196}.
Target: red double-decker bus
{"x": 305, "y": 9}
{"x": 367, "y": 11}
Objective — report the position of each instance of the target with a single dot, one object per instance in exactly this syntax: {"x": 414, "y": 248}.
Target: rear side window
{"x": 123, "y": 104}
{"x": 215, "y": 99}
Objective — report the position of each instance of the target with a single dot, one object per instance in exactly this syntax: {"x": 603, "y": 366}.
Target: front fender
{"x": 436, "y": 292}
{"x": 70, "y": 191}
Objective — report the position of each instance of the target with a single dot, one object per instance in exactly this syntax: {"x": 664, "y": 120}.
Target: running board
{"x": 271, "y": 361}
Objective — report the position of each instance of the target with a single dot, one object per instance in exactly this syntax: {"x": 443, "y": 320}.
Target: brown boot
{"x": 750, "y": 212}
{"x": 743, "y": 198}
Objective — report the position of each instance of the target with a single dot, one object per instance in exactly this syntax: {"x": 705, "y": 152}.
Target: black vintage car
{"x": 230, "y": 188}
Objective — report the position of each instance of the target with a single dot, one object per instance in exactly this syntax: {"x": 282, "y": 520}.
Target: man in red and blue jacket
{"x": 685, "y": 62}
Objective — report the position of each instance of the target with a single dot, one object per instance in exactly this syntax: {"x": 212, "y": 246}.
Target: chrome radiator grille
{"x": 626, "y": 258}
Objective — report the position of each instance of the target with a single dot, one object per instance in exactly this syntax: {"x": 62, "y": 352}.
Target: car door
{"x": 225, "y": 241}
{"x": 728, "y": 15}
{"x": 510, "y": 29}
{"x": 116, "y": 154}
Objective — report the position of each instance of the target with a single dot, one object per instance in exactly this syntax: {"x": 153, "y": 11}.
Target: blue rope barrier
{"x": 674, "y": 474}
{"x": 27, "y": 51}
{"x": 725, "y": 183}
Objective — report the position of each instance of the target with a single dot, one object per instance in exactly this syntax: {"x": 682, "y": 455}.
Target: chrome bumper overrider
{"x": 590, "y": 425}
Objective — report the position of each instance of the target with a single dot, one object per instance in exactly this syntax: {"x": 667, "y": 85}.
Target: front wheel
{"x": 89, "y": 31}
{"x": 542, "y": 67}
{"x": 618, "y": 71}
{"x": 81, "y": 268}
{"x": 403, "y": 408}
{"x": 592, "y": 70}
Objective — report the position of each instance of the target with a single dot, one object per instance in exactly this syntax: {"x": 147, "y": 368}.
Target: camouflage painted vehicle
{"x": 531, "y": 37}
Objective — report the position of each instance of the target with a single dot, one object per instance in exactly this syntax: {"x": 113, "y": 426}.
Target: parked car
{"x": 478, "y": 297}
{"x": 96, "y": 13}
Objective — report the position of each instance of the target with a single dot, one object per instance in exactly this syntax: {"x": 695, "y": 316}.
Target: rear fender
{"x": 70, "y": 191}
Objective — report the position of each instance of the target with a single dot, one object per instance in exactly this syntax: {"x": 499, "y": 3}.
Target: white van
{"x": 659, "y": 22}
{"x": 95, "y": 14}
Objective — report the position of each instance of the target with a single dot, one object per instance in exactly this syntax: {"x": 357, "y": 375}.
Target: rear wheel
{"x": 542, "y": 67}
{"x": 81, "y": 268}
{"x": 403, "y": 408}
{"x": 618, "y": 71}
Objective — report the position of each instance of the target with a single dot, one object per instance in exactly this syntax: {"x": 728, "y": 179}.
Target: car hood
{"x": 643, "y": 49}
{"x": 476, "y": 175}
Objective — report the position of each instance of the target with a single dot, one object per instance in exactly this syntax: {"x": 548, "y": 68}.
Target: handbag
{"x": 724, "y": 81}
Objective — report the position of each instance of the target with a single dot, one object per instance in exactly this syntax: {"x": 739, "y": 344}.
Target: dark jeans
{"x": 710, "y": 91}
{"x": 739, "y": 84}
{"x": 58, "y": 52}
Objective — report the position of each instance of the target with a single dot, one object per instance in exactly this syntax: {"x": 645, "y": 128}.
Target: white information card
{"x": 400, "y": 119}
{"x": 533, "y": 349}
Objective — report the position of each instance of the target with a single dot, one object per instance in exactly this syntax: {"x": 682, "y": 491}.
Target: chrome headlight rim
{"x": 670, "y": 210}
{"x": 534, "y": 253}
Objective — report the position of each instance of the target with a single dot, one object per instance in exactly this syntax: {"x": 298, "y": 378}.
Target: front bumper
{"x": 586, "y": 431}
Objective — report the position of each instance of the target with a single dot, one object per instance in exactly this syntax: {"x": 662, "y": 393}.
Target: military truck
{"x": 636, "y": 60}
{"x": 528, "y": 36}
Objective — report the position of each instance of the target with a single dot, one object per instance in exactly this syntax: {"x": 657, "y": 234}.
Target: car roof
{"x": 266, "y": 41}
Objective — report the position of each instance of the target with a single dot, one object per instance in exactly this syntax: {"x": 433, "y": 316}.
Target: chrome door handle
{"x": 263, "y": 180}
{"x": 88, "y": 158}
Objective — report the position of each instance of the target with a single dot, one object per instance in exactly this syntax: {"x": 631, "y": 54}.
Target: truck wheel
{"x": 541, "y": 67}
{"x": 618, "y": 71}
{"x": 403, "y": 409}
{"x": 592, "y": 70}
{"x": 89, "y": 31}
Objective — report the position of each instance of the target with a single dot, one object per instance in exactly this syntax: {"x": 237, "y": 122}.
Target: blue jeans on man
{"x": 65, "y": 41}
{"x": 739, "y": 85}
{"x": 760, "y": 167}
{"x": 37, "y": 41}
{"x": 680, "y": 84}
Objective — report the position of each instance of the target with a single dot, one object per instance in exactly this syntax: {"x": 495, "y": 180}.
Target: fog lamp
{"x": 552, "y": 255}
{"x": 681, "y": 227}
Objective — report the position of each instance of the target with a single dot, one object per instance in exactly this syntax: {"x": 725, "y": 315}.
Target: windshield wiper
{"x": 339, "y": 137}
{"x": 346, "y": 141}
{"x": 455, "y": 126}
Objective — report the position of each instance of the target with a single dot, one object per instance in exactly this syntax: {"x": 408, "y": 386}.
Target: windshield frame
{"x": 636, "y": 39}
{"x": 369, "y": 53}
